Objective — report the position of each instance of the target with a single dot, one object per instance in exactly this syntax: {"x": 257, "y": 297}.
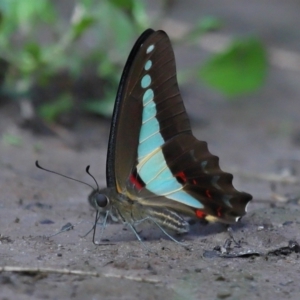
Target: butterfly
{"x": 156, "y": 169}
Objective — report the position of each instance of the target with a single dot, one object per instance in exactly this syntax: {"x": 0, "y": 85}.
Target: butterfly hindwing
{"x": 199, "y": 172}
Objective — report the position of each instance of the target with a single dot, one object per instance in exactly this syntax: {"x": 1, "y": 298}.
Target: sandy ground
{"x": 252, "y": 137}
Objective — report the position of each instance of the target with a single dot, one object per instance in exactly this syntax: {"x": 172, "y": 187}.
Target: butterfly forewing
{"x": 128, "y": 132}
{"x": 126, "y": 120}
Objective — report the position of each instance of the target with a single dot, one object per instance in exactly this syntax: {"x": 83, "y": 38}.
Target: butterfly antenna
{"x": 88, "y": 171}
{"x": 50, "y": 171}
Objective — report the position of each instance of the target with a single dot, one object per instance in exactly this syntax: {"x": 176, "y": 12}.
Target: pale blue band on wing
{"x": 149, "y": 145}
{"x": 152, "y": 167}
{"x": 155, "y": 168}
{"x": 148, "y": 65}
{"x": 148, "y": 96}
{"x": 149, "y": 49}
{"x": 148, "y": 129}
{"x": 160, "y": 180}
{"x": 150, "y": 137}
{"x": 146, "y": 81}
{"x": 184, "y": 198}
{"x": 149, "y": 112}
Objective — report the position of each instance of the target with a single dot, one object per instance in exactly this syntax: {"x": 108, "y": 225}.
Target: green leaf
{"x": 25, "y": 12}
{"x": 108, "y": 70}
{"x": 238, "y": 70}
{"x": 118, "y": 25}
{"x": 80, "y": 27}
{"x": 136, "y": 9}
{"x": 51, "y": 111}
{"x": 123, "y": 4}
{"x": 33, "y": 49}
{"x": 141, "y": 15}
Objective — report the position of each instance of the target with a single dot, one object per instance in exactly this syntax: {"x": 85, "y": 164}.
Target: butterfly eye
{"x": 101, "y": 200}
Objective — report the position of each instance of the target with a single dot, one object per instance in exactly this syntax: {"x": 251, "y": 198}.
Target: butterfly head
{"x": 99, "y": 200}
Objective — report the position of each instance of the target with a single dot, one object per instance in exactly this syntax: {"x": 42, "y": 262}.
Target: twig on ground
{"x": 77, "y": 272}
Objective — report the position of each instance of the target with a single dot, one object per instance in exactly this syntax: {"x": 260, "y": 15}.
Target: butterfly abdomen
{"x": 168, "y": 219}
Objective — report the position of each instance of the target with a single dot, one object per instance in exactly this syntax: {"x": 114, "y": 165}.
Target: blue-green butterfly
{"x": 156, "y": 169}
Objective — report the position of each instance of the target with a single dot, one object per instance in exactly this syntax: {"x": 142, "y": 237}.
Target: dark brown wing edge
{"x": 115, "y": 123}
{"x": 201, "y": 176}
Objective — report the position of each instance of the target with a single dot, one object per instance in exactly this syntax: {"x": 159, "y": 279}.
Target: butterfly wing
{"x": 153, "y": 157}
{"x": 126, "y": 121}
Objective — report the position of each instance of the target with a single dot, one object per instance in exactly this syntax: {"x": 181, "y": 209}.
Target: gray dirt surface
{"x": 250, "y": 136}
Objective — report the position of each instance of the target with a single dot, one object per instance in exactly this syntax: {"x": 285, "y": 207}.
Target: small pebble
{"x": 224, "y": 294}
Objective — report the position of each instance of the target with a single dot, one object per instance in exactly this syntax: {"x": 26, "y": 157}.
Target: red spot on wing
{"x": 181, "y": 177}
{"x": 200, "y": 214}
{"x": 208, "y": 194}
{"x": 219, "y": 212}
{"x": 136, "y": 182}
{"x": 194, "y": 181}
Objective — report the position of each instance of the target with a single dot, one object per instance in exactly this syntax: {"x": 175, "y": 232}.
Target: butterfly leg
{"x": 135, "y": 232}
{"x": 138, "y": 236}
{"x": 161, "y": 228}
{"x": 103, "y": 225}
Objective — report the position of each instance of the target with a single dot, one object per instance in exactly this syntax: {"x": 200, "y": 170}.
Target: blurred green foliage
{"x": 239, "y": 69}
{"x": 49, "y": 111}
{"x": 13, "y": 140}
{"x": 39, "y": 41}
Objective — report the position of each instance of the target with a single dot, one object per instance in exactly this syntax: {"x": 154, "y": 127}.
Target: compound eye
{"x": 101, "y": 200}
